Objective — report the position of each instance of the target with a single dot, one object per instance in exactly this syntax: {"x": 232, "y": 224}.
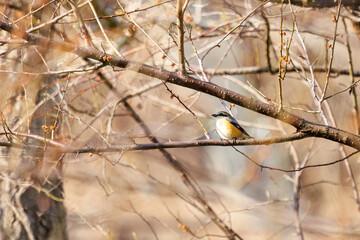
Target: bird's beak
{"x": 214, "y": 115}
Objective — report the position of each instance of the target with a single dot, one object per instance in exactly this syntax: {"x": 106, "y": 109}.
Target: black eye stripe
{"x": 221, "y": 114}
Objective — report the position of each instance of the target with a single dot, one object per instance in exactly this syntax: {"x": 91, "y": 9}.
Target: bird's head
{"x": 220, "y": 114}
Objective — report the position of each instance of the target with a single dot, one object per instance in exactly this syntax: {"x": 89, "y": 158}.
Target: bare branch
{"x": 312, "y": 129}
{"x": 319, "y": 3}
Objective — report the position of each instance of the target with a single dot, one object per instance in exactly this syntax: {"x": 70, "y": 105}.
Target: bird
{"x": 228, "y": 128}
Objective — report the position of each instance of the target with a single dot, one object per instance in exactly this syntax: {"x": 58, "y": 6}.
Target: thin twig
{"x": 352, "y": 79}
{"x": 297, "y": 186}
{"x": 188, "y": 109}
{"x": 348, "y": 89}
{"x": 102, "y": 29}
{"x": 35, "y": 11}
{"x": 281, "y": 57}
{"x": 285, "y": 107}
{"x": 312, "y": 83}
{"x": 256, "y": 70}
{"x": 267, "y": 41}
{"x": 123, "y": 14}
{"x": 180, "y": 9}
{"x": 332, "y": 51}
{"x": 145, "y": 33}
{"x": 299, "y": 168}
{"x": 54, "y": 20}
{"x": 234, "y": 28}
{"x": 357, "y": 117}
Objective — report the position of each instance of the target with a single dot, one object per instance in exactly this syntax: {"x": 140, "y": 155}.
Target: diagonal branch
{"x": 302, "y": 125}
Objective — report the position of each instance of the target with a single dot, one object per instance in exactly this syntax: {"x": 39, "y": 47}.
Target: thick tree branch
{"x": 319, "y": 3}
{"x": 302, "y": 125}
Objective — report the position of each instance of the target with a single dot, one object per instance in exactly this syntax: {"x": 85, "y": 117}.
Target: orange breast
{"x": 227, "y": 130}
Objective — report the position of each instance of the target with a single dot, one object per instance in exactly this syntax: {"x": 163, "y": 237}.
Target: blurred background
{"x": 137, "y": 194}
